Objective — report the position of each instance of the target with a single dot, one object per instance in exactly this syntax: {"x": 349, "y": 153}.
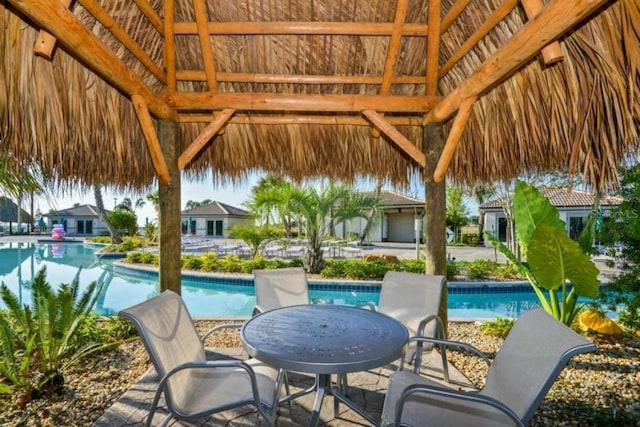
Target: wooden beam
{"x": 459, "y": 123}
{"x": 301, "y": 28}
{"x": 201, "y": 140}
{"x": 401, "y": 141}
{"x": 150, "y": 136}
{"x": 392, "y": 52}
{"x": 301, "y": 120}
{"x": 433, "y": 47}
{"x": 452, "y": 14}
{"x": 56, "y": 19}
{"x": 46, "y": 42}
{"x": 170, "y": 44}
{"x": 489, "y": 24}
{"x": 194, "y": 101}
{"x": 151, "y": 14}
{"x": 198, "y": 75}
{"x": 552, "y": 52}
{"x": 202, "y": 17}
{"x": 94, "y": 8}
{"x": 555, "y": 19}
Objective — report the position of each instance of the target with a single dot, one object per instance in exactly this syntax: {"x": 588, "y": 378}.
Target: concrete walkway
{"x": 366, "y": 389}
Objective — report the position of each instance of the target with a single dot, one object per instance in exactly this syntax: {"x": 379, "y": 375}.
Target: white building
{"x": 212, "y": 220}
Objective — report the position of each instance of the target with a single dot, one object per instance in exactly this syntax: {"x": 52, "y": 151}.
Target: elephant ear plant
{"x": 554, "y": 262}
{"x": 40, "y": 341}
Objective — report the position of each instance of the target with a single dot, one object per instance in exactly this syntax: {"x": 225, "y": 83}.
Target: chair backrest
{"x": 170, "y": 337}
{"x": 281, "y": 287}
{"x": 410, "y": 297}
{"x": 531, "y": 358}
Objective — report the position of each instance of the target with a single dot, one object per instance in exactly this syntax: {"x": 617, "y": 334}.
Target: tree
{"x": 254, "y": 235}
{"x": 623, "y": 232}
{"x": 128, "y": 205}
{"x": 124, "y": 220}
{"x": 116, "y": 238}
{"x": 271, "y": 202}
{"x": 457, "y": 211}
{"x": 317, "y": 208}
{"x": 373, "y": 206}
{"x": 194, "y": 204}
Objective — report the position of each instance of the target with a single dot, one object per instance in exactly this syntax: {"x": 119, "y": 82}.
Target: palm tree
{"x": 128, "y": 205}
{"x": 271, "y": 200}
{"x": 102, "y": 214}
{"x": 317, "y": 208}
{"x": 373, "y": 206}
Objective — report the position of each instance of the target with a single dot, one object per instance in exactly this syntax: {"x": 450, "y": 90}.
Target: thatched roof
{"x": 582, "y": 112}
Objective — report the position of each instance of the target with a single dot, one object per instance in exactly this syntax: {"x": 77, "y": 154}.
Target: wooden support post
{"x": 170, "y": 263}
{"x": 150, "y": 136}
{"x": 435, "y": 212}
{"x": 453, "y": 139}
{"x": 201, "y": 140}
{"x": 393, "y": 133}
{"x": 552, "y": 52}
{"x": 46, "y": 42}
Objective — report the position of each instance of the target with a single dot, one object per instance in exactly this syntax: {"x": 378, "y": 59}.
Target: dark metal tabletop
{"x": 324, "y": 338}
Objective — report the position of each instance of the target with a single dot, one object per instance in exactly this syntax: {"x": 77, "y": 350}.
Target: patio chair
{"x": 280, "y": 287}
{"x": 193, "y": 386}
{"x": 414, "y": 300}
{"x": 524, "y": 369}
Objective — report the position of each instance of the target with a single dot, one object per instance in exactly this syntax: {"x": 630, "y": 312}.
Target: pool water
{"x": 233, "y": 296}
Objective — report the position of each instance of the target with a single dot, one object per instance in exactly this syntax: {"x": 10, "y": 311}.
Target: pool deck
{"x": 366, "y": 389}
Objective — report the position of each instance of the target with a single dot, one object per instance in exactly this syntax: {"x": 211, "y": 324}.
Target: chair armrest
{"x": 367, "y": 306}
{"x": 453, "y": 394}
{"x": 220, "y": 327}
{"x": 257, "y": 309}
{"x": 439, "y": 334}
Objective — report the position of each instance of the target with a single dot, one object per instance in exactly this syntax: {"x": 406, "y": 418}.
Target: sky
{"x": 190, "y": 190}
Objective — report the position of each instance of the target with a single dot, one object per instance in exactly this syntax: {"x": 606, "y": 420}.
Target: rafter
{"x": 194, "y": 101}
{"x": 151, "y": 138}
{"x": 46, "y": 42}
{"x": 433, "y": 47}
{"x": 392, "y": 52}
{"x": 151, "y": 15}
{"x": 200, "y": 8}
{"x": 301, "y": 28}
{"x": 489, "y": 24}
{"x": 94, "y": 8}
{"x": 169, "y": 44}
{"x": 201, "y": 140}
{"x": 399, "y": 139}
{"x": 452, "y": 14}
{"x": 56, "y": 19}
{"x": 552, "y": 52}
{"x": 555, "y": 19}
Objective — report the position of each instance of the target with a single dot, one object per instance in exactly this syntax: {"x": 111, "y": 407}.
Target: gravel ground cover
{"x": 596, "y": 389}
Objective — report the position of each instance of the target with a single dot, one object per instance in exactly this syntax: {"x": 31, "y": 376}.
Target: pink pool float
{"x": 58, "y": 232}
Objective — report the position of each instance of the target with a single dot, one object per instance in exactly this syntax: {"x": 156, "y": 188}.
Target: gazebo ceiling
{"x": 320, "y": 88}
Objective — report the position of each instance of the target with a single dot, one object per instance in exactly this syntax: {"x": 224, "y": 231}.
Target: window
{"x": 215, "y": 228}
{"x": 502, "y": 229}
{"x": 80, "y": 227}
{"x": 576, "y": 225}
{"x": 85, "y": 226}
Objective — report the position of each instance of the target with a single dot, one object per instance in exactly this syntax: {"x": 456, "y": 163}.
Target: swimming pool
{"x": 221, "y": 296}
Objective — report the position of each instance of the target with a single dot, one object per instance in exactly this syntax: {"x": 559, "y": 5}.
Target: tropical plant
{"x": 554, "y": 261}
{"x": 270, "y": 202}
{"x": 254, "y": 235}
{"x": 48, "y": 332}
{"x": 124, "y": 221}
{"x": 194, "y": 204}
{"x": 102, "y": 214}
{"x": 128, "y": 205}
{"x": 318, "y": 208}
{"x": 457, "y": 211}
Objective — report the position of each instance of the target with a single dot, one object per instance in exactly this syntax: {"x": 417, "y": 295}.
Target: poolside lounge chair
{"x": 193, "y": 386}
{"x": 280, "y": 287}
{"x": 524, "y": 369}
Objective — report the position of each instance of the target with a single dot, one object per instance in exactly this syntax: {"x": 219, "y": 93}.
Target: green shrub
{"x": 506, "y": 272}
{"x": 481, "y": 269}
{"x": 99, "y": 239}
{"x": 192, "y": 262}
{"x": 117, "y": 329}
{"x": 133, "y": 257}
{"x": 498, "y": 328}
{"x": 209, "y": 262}
{"x": 149, "y": 258}
{"x": 452, "y": 269}
{"x": 52, "y": 334}
{"x": 412, "y": 265}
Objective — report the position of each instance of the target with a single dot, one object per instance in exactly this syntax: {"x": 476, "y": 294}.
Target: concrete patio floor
{"x": 366, "y": 389}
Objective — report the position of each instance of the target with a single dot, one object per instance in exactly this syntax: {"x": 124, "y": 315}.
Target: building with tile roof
{"x": 81, "y": 221}
{"x": 212, "y": 220}
{"x": 574, "y": 207}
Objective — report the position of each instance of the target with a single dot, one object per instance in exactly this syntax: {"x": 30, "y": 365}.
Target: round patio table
{"x": 325, "y": 339}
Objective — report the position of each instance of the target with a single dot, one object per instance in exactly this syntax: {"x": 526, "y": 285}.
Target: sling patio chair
{"x": 414, "y": 300}
{"x": 524, "y": 369}
{"x": 280, "y": 287}
{"x": 193, "y": 386}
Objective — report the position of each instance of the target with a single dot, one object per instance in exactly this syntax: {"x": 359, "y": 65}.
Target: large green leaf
{"x": 530, "y": 209}
{"x": 554, "y": 258}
